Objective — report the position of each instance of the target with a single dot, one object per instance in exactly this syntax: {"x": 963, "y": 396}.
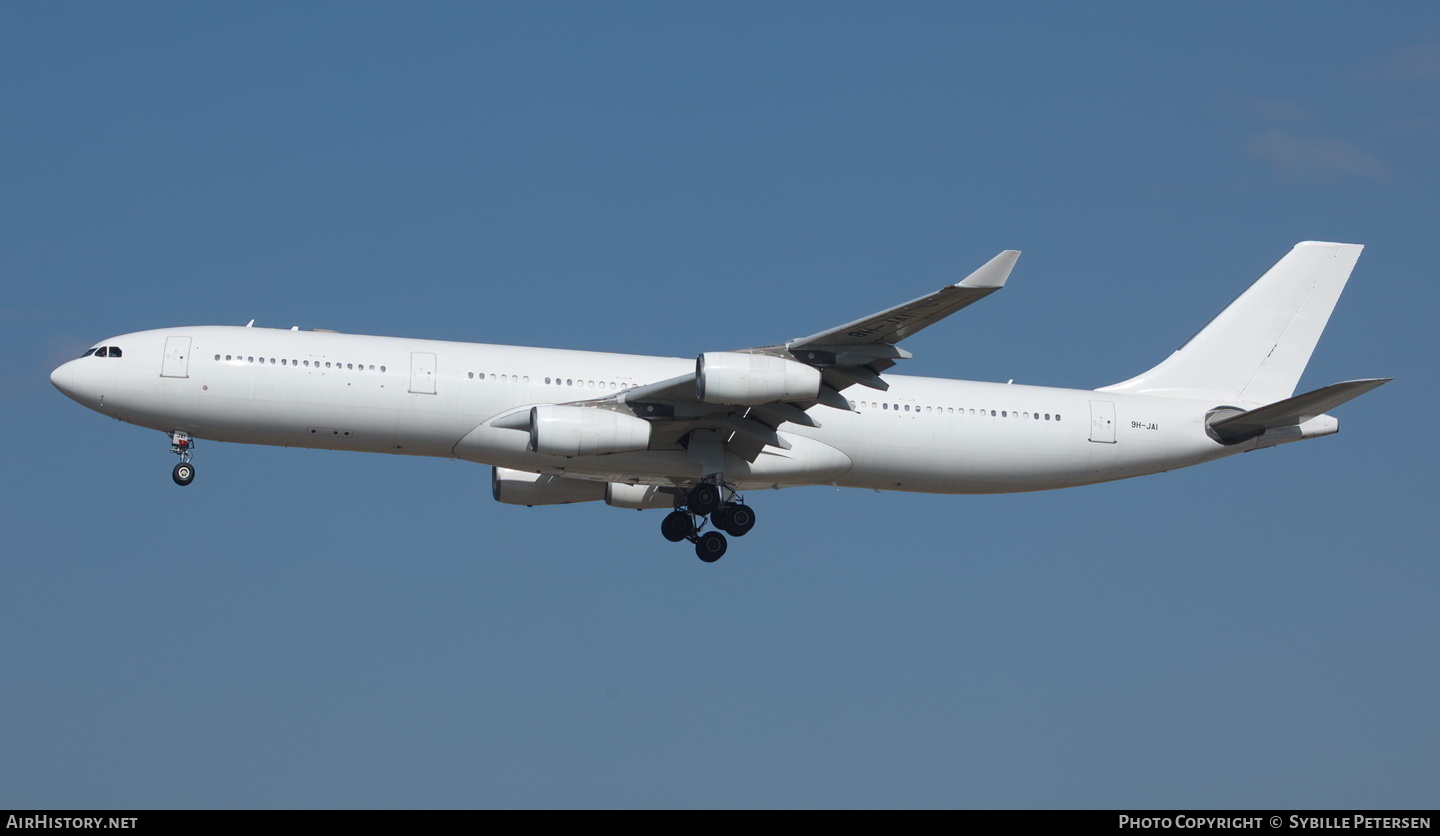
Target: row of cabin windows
{"x": 591, "y": 384}
{"x": 103, "y": 351}
{"x": 549, "y": 381}
{"x": 285, "y": 361}
{"x": 951, "y": 410}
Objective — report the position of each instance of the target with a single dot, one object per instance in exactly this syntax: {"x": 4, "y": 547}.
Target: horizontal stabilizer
{"x": 1291, "y": 411}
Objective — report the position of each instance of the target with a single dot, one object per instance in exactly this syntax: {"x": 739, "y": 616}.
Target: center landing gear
{"x": 181, "y": 445}
{"x": 720, "y": 504}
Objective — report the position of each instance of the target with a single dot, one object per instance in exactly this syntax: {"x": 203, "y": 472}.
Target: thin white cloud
{"x": 1412, "y": 62}
{"x": 1276, "y": 111}
{"x": 1307, "y": 157}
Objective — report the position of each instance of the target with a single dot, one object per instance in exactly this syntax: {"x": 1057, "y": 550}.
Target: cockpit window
{"x": 114, "y": 351}
{"x": 88, "y": 353}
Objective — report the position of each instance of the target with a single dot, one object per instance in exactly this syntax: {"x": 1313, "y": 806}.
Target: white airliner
{"x": 563, "y": 426}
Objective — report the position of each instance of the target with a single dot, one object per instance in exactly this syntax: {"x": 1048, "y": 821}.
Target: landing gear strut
{"x": 181, "y": 444}
{"x": 726, "y": 513}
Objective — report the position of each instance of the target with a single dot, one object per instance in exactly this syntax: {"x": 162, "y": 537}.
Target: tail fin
{"x": 1256, "y": 349}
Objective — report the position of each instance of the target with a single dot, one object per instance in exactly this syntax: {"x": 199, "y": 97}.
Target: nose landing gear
{"x": 726, "y": 513}
{"x": 181, "y": 444}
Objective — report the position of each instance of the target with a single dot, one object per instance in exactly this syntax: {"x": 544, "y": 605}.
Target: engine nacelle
{"x": 730, "y": 377}
{"x": 518, "y": 487}
{"x": 639, "y": 497}
{"x": 584, "y": 431}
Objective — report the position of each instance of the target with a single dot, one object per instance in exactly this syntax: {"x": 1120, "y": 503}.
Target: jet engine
{"x": 557, "y": 430}
{"x": 518, "y": 487}
{"x": 729, "y": 377}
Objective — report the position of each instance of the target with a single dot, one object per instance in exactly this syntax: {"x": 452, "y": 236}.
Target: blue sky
{"x": 305, "y": 628}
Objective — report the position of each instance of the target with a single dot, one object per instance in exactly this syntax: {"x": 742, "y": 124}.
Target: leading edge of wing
{"x": 892, "y": 325}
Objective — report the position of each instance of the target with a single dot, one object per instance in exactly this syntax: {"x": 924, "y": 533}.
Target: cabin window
{"x": 382, "y": 368}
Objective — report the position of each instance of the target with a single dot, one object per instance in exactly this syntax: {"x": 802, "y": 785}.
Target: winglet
{"x": 994, "y": 272}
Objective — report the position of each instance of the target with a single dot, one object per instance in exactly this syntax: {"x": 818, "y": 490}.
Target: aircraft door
{"x": 177, "y": 357}
{"x": 1102, "y": 422}
{"x": 422, "y": 373}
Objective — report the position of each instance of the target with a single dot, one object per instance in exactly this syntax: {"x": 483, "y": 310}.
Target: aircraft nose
{"x": 63, "y": 378}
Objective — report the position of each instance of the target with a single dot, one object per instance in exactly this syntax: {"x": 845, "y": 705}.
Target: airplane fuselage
{"x": 433, "y": 398}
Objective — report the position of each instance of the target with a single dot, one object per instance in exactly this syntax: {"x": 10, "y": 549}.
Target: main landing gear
{"x": 181, "y": 444}
{"x": 726, "y": 514}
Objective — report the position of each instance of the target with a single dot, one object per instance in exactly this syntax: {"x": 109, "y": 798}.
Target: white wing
{"x": 746, "y": 395}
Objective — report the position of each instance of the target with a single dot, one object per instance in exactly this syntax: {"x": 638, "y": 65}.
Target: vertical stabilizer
{"x": 1256, "y": 349}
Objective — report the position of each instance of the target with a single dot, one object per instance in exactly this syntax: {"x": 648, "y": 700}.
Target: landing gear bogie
{"x": 708, "y": 503}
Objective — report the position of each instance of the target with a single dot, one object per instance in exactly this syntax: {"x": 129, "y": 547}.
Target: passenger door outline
{"x": 176, "y": 362}
{"x": 422, "y": 373}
